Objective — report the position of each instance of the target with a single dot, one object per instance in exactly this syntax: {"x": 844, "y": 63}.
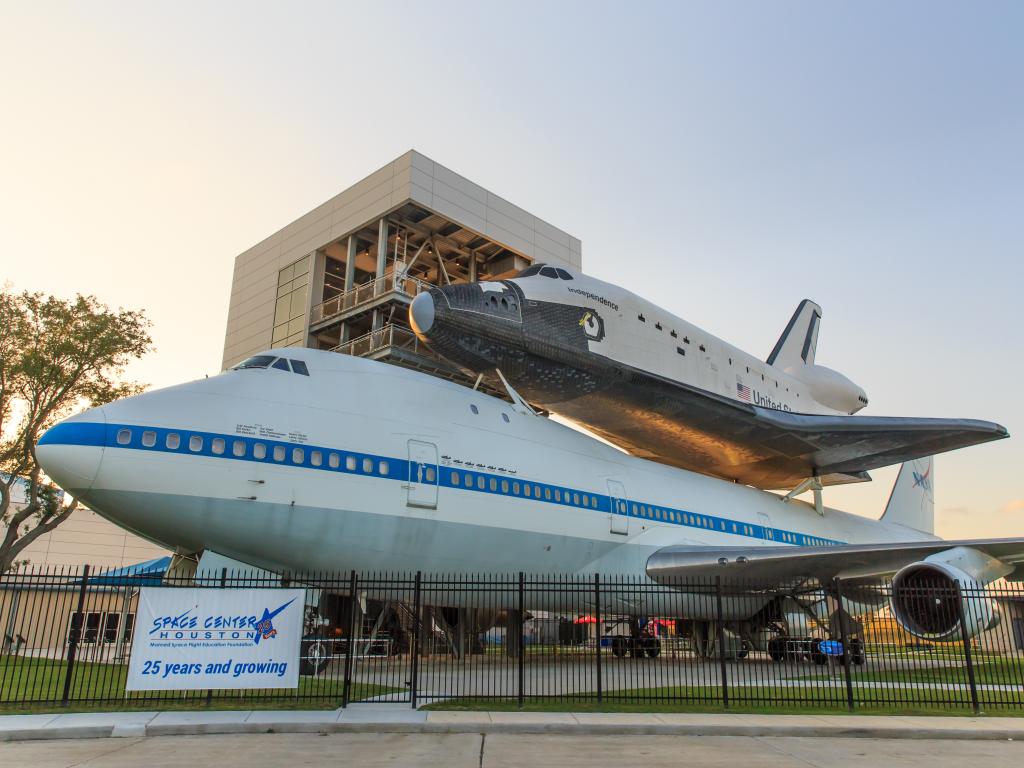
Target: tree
{"x": 56, "y": 357}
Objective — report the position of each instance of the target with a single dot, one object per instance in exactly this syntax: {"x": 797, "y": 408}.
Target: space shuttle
{"x": 663, "y": 389}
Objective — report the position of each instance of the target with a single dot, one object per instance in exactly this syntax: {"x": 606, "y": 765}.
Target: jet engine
{"x": 830, "y": 388}
{"x": 927, "y": 603}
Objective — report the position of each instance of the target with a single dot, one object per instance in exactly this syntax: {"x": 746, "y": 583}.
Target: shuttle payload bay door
{"x": 422, "y": 475}
{"x": 619, "y": 507}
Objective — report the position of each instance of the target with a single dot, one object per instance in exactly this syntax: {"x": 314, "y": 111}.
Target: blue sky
{"x": 723, "y": 159}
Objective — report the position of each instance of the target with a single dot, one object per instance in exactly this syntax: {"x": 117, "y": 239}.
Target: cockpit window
{"x": 281, "y": 364}
{"x": 530, "y": 271}
{"x": 258, "y": 361}
{"x": 300, "y": 367}
{"x": 549, "y": 272}
{"x": 563, "y": 274}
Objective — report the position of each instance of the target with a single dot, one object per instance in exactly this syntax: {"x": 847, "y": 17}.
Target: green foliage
{"x": 56, "y": 357}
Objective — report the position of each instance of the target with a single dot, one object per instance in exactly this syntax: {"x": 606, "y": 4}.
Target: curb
{"x": 578, "y": 729}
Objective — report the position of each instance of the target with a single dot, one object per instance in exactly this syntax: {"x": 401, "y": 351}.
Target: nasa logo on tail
{"x": 592, "y": 325}
{"x": 922, "y": 473}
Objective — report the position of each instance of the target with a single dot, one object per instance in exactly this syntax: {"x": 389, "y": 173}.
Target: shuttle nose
{"x": 70, "y": 452}
{"x": 421, "y": 314}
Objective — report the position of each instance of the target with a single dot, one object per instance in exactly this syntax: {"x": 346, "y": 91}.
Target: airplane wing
{"x": 776, "y": 565}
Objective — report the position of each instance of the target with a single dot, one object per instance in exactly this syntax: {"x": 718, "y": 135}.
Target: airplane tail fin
{"x": 912, "y": 502}
{"x": 799, "y": 341}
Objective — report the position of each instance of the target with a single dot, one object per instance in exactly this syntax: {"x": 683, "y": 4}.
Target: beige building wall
{"x": 411, "y": 177}
{"x": 85, "y": 537}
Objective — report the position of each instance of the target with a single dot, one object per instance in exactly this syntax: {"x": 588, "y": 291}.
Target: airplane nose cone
{"x": 421, "y": 314}
{"x": 71, "y": 451}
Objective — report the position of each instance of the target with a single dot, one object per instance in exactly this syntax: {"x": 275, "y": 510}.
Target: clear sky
{"x": 722, "y": 159}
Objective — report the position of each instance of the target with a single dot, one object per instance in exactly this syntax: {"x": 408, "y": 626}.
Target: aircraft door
{"x": 423, "y": 473}
{"x": 766, "y": 524}
{"x": 619, "y": 508}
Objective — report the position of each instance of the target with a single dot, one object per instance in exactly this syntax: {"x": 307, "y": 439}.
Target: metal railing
{"x": 367, "y": 293}
{"x": 388, "y": 337}
{"x": 517, "y": 637}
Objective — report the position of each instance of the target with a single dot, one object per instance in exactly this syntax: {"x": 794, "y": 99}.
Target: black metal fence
{"x": 67, "y": 638}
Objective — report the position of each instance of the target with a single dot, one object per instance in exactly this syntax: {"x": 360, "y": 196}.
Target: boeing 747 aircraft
{"x": 299, "y": 460}
{"x": 666, "y": 390}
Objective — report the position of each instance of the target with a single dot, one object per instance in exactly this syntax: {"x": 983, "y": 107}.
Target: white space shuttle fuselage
{"x": 662, "y": 388}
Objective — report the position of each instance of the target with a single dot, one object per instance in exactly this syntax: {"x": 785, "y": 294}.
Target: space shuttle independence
{"x": 664, "y": 389}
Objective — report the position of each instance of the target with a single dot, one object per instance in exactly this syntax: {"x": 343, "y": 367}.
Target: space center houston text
{"x": 194, "y": 639}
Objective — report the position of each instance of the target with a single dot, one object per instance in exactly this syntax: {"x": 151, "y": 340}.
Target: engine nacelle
{"x": 831, "y": 388}
{"x": 925, "y": 600}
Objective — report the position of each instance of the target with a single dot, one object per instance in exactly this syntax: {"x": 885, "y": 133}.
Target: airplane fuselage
{"x": 362, "y": 465}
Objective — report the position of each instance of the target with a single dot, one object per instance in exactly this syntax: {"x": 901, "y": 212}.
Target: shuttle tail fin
{"x": 912, "y": 502}
{"x": 798, "y": 343}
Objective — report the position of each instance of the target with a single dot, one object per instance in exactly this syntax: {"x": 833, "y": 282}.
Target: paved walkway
{"x": 391, "y": 718}
{"x": 476, "y": 750}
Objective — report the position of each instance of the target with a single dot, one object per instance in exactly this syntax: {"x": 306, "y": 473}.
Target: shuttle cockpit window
{"x": 281, "y": 364}
{"x": 549, "y": 272}
{"x": 257, "y": 361}
{"x": 300, "y": 367}
{"x": 563, "y": 274}
{"x": 531, "y": 271}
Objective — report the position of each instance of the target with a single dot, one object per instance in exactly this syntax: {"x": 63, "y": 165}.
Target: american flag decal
{"x": 743, "y": 391}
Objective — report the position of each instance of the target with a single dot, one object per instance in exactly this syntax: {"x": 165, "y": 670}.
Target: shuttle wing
{"x": 850, "y": 445}
{"x": 789, "y": 564}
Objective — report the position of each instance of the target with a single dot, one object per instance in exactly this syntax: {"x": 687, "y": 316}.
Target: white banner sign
{"x": 194, "y": 639}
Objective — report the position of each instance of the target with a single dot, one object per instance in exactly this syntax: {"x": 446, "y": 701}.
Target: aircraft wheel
{"x": 618, "y": 647}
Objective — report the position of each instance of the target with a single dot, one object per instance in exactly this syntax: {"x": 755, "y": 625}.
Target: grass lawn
{"x": 34, "y": 685}
{"x": 702, "y": 700}
{"x": 990, "y": 670}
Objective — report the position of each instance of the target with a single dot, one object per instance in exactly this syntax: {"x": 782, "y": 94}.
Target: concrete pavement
{"x": 502, "y": 750}
{"x": 392, "y": 718}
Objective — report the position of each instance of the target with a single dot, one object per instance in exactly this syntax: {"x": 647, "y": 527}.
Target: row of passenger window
{"x": 526, "y": 490}
{"x": 279, "y": 453}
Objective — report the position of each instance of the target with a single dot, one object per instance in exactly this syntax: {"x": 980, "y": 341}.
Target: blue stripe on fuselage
{"x": 390, "y": 468}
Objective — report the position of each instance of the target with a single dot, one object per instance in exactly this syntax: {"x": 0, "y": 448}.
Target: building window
{"x": 195, "y": 443}
{"x": 149, "y": 438}
{"x": 124, "y": 436}
{"x": 217, "y": 445}
{"x": 173, "y": 441}
{"x": 292, "y": 298}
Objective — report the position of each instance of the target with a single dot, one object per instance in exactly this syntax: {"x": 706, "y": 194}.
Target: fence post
{"x": 721, "y": 643}
{"x": 414, "y": 646}
{"x": 597, "y": 627}
{"x": 73, "y": 649}
{"x": 522, "y": 637}
{"x": 967, "y": 649}
{"x": 350, "y": 637}
{"x": 223, "y": 584}
{"x": 847, "y": 659}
